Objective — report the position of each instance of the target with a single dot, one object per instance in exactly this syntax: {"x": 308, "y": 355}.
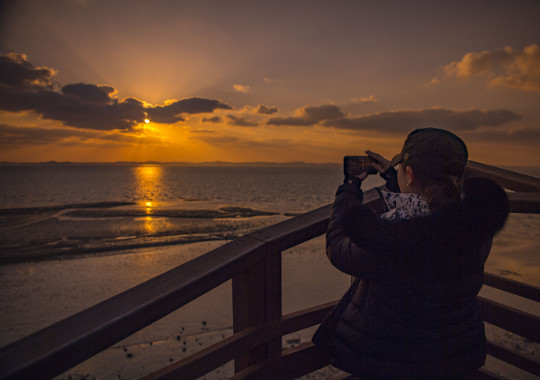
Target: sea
{"x": 72, "y": 235}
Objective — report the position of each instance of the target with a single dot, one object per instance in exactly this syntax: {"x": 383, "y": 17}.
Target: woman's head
{"x": 432, "y": 162}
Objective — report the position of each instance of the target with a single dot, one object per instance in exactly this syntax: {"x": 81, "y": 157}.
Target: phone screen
{"x": 353, "y": 165}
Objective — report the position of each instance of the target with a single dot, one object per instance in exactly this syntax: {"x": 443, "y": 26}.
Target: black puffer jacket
{"x": 414, "y": 313}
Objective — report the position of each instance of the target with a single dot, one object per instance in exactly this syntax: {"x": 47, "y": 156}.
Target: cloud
{"x": 218, "y": 140}
{"x": 13, "y": 136}
{"x": 264, "y": 110}
{"x": 406, "y": 120}
{"x": 10, "y": 135}
{"x": 521, "y": 136}
{"x": 369, "y": 99}
{"x": 90, "y": 92}
{"x": 24, "y": 87}
{"x": 171, "y": 113}
{"x": 16, "y": 70}
{"x": 433, "y": 82}
{"x": 240, "y": 121}
{"x": 213, "y": 119}
{"x": 325, "y": 112}
{"x": 226, "y": 140}
{"x": 309, "y": 115}
{"x": 241, "y": 88}
{"x": 291, "y": 121}
{"x": 502, "y": 67}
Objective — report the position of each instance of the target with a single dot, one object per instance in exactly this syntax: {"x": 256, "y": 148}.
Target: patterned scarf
{"x": 403, "y": 205}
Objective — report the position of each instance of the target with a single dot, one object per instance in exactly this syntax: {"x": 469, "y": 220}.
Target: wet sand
{"x": 45, "y": 233}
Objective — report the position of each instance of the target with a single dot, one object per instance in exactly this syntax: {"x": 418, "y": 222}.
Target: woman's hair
{"x": 442, "y": 191}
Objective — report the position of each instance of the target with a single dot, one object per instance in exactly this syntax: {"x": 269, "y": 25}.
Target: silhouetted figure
{"x": 412, "y": 312}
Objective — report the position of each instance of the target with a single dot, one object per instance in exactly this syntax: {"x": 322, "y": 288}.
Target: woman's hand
{"x": 357, "y": 179}
{"x": 380, "y": 163}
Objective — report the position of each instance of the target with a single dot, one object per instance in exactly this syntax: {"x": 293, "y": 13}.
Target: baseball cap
{"x": 434, "y": 152}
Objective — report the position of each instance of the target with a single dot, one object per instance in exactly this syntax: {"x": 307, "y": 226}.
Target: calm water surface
{"x": 284, "y": 187}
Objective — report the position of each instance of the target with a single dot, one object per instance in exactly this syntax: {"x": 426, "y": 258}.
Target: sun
{"x": 147, "y": 121}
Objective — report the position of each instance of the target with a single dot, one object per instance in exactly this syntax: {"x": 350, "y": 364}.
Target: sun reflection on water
{"x": 150, "y": 225}
{"x": 149, "y": 182}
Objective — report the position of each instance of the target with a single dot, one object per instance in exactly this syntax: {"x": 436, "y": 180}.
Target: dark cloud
{"x": 13, "y": 136}
{"x": 310, "y": 115}
{"x": 520, "y": 136}
{"x": 295, "y": 121}
{"x": 90, "y": 92}
{"x": 331, "y": 116}
{"x": 26, "y": 88}
{"x": 214, "y": 119}
{"x": 16, "y": 70}
{"x": 406, "y": 120}
{"x": 171, "y": 113}
{"x": 10, "y": 135}
{"x": 326, "y": 112}
{"x": 240, "y": 121}
{"x": 70, "y": 110}
{"x": 264, "y": 110}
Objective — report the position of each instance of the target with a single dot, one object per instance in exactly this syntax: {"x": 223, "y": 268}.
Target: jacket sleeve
{"x": 342, "y": 252}
{"x": 390, "y": 176}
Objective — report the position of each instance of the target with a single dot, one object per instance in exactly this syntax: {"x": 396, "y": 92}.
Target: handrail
{"x": 62, "y": 345}
{"x": 506, "y": 178}
{"x": 512, "y": 286}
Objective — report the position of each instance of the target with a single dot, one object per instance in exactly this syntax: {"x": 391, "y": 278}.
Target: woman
{"x": 412, "y": 313}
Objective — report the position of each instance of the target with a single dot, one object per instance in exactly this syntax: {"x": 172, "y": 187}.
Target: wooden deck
{"x": 253, "y": 262}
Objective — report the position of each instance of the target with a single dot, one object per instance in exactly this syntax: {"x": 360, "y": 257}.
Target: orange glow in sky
{"x": 330, "y": 81}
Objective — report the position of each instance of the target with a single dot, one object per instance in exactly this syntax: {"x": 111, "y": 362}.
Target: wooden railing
{"x": 253, "y": 262}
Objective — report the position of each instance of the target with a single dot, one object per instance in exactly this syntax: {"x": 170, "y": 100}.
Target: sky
{"x": 273, "y": 81}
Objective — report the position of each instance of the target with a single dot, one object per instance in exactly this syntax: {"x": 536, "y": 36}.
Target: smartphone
{"x": 353, "y": 165}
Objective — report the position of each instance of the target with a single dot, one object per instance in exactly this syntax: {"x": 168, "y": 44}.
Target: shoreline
{"x": 106, "y": 228}
{"x": 81, "y": 252}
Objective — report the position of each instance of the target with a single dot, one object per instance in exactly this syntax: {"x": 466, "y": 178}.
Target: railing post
{"x": 257, "y": 300}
